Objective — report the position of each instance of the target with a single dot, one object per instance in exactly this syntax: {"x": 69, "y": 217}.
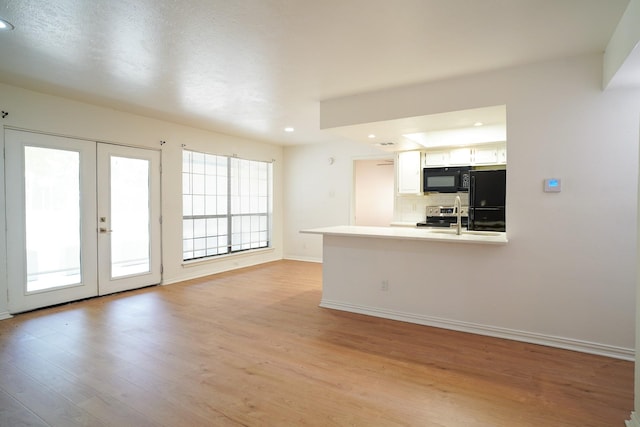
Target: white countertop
{"x": 415, "y": 233}
{"x": 403, "y": 224}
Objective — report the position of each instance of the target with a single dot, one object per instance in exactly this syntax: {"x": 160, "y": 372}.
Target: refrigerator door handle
{"x": 472, "y": 191}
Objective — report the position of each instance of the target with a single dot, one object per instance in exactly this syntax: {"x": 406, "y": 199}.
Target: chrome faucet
{"x": 457, "y": 207}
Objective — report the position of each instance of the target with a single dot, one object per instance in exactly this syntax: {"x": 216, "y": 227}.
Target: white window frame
{"x": 227, "y": 205}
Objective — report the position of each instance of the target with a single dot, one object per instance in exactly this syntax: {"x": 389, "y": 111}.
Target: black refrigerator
{"x": 487, "y": 192}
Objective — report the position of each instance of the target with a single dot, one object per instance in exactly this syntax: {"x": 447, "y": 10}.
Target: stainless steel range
{"x": 444, "y": 216}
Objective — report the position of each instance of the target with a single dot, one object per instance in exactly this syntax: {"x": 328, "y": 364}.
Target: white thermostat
{"x": 552, "y": 185}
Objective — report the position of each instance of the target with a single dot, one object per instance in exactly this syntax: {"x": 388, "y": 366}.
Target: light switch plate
{"x": 552, "y": 185}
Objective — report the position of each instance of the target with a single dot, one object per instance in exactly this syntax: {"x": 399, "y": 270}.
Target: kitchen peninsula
{"x": 426, "y": 276}
{"x": 413, "y": 233}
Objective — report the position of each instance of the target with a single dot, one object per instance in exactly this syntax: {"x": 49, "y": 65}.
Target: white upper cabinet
{"x": 436, "y": 158}
{"x": 409, "y": 172}
{"x": 460, "y": 156}
{"x": 485, "y": 154}
{"x": 502, "y": 153}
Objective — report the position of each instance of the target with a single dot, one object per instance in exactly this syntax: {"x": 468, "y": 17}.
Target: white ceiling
{"x": 252, "y": 67}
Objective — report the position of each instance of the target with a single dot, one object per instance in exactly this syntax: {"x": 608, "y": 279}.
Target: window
{"x": 226, "y": 204}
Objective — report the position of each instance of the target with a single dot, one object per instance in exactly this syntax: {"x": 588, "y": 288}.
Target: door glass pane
{"x": 52, "y": 217}
{"x": 130, "y": 236}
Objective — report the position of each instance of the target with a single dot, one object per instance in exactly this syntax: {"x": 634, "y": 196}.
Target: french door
{"x": 83, "y": 219}
{"x": 128, "y": 218}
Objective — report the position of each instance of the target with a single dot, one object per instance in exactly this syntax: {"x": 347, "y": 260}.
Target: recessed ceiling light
{"x": 478, "y": 124}
{"x": 289, "y": 129}
{"x": 6, "y": 25}
{"x": 372, "y": 136}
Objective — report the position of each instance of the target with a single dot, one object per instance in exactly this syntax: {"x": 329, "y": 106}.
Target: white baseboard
{"x": 301, "y": 258}
{"x": 5, "y": 315}
{"x": 492, "y": 331}
{"x": 634, "y": 421}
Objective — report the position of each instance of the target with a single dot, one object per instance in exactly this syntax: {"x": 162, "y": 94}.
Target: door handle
{"x": 104, "y": 230}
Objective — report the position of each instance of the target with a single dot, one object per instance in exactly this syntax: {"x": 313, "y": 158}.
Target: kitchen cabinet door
{"x": 409, "y": 172}
{"x": 460, "y": 157}
{"x": 436, "y": 158}
{"x": 487, "y": 155}
{"x": 502, "y": 154}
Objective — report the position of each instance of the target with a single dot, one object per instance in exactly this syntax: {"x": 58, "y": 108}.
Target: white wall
{"x": 569, "y": 268}
{"x": 318, "y": 193}
{"x": 49, "y": 114}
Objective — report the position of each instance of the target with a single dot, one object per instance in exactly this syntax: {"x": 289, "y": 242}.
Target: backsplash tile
{"x": 411, "y": 208}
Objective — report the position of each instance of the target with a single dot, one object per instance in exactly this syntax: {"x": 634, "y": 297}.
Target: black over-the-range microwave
{"x": 446, "y": 180}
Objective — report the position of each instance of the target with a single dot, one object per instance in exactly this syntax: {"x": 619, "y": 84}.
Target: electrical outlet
{"x": 384, "y": 285}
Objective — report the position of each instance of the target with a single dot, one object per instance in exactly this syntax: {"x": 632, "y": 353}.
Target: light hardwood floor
{"x": 252, "y": 348}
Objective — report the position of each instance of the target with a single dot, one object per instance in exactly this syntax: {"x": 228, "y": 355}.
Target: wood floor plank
{"x": 13, "y": 413}
{"x": 251, "y": 348}
{"x": 52, "y": 408}
{"x": 100, "y": 394}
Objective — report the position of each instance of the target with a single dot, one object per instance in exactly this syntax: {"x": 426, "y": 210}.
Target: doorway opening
{"x": 374, "y": 184}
